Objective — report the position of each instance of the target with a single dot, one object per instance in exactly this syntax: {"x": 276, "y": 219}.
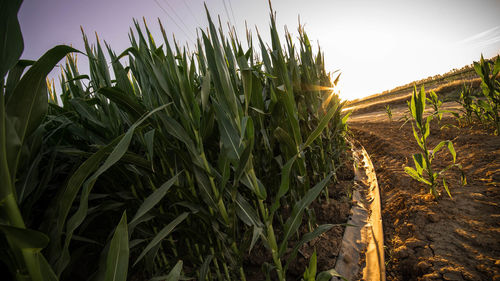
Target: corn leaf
{"x": 321, "y": 126}
{"x": 154, "y": 198}
{"x": 295, "y": 219}
{"x": 420, "y": 163}
{"x": 414, "y": 174}
{"x": 11, "y": 45}
{"x": 161, "y": 235}
{"x": 118, "y": 254}
{"x": 446, "y": 188}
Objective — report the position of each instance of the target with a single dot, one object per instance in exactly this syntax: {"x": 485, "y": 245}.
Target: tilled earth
{"x": 448, "y": 239}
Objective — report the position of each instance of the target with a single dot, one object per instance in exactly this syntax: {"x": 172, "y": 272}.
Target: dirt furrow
{"x": 449, "y": 239}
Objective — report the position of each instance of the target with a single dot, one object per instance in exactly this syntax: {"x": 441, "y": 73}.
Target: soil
{"x": 425, "y": 239}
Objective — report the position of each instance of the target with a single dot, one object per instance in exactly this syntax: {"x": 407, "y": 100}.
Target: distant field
{"x": 448, "y": 91}
{"x": 447, "y": 86}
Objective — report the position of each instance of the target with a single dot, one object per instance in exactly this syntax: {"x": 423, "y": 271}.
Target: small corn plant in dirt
{"x": 389, "y": 112}
{"x": 436, "y": 105}
{"x": 311, "y": 270}
{"x": 470, "y": 107}
{"x": 406, "y": 115}
{"x": 424, "y": 171}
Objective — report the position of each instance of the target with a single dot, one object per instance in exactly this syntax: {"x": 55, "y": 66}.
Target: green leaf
{"x": 463, "y": 179}
{"x": 15, "y": 75}
{"x": 175, "y": 273}
{"x": 285, "y": 183}
{"x": 310, "y": 273}
{"x": 205, "y": 267}
{"x": 413, "y": 103}
{"x": 149, "y": 137}
{"x": 412, "y": 173}
{"x": 321, "y": 126}
{"x": 422, "y": 100}
{"x": 161, "y": 235}
{"x": 118, "y": 254}
{"x": 74, "y": 222}
{"x": 86, "y": 111}
{"x": 417, "y": 138}
{"x": 29, "y": 102}
{"x": 438, "y": 147}
{"x": 307, "y": 238}
{"x": 176, "y": 130}
{"x": 249, "y": 216}
{"x": 427, "y": 128}
{"x": 25, "y": 238}
{"x": 452, "y": 151}
{"x": 65, "y": 200}
{"x": 228, "y": 133}
{"x": 284, "y": 138}
{"x": 295, "y": 219}
{"x": 128, "y": 102}
{"x": 154, "y": 198}
{"x": 205, "y": 91}
{"x": 328, "y": 274}
{"x": 420, "y": 164}
{"x": 30, "y": 242}
{"x": 11, "y": 45}
{"x": 446, "y": 188}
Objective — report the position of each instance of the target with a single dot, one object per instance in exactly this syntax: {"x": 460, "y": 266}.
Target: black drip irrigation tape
{"x": 361, "y": 255}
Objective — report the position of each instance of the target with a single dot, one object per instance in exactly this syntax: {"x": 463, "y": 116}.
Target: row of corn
{"x": 163, "y": 162}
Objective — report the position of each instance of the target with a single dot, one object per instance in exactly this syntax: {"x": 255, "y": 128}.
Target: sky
{"x": 376, "y": 45}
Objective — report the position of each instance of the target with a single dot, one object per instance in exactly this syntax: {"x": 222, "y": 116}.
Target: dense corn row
{"x": 196, "y": 152}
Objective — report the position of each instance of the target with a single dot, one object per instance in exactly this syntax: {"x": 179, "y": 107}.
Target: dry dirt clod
{"x": 431, "y": 276}
{"x": 453, "y": 276}
{"x": 414, "y": 243}
{"x": 423, "y": 266}
{"x": 403, "y": 252}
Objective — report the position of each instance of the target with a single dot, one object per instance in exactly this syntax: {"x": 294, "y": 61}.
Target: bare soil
{"x": 425, "y": 239}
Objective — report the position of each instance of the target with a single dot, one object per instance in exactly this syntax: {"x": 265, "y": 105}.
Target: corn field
{"x": 163, "y": 162}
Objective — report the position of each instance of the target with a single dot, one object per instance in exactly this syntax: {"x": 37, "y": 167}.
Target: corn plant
{"x": 465, "y": 100}
{"x": 310, "y": 274}
{"x": 424, "y": 171}
{"x": 406, "y": 117}
{"x": 389, "y": 112}
{"x": 436, "y": 105}
{"x": 490, "y": 86}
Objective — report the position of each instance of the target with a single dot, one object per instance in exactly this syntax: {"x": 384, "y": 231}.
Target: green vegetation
{"x": 488, "y": 108}
{"x": 167, "y": 165}
{"x": 389, "y": 112}
{"x": 469, "y": 108}
{"x": 424, "y": 171}
{"x": 310, "y": 274}
{"x": 485, "y": 104}
{"x": 436, "y": 105}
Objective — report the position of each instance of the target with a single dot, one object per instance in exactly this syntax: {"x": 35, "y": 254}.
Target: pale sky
{"x": 377, "y": 45}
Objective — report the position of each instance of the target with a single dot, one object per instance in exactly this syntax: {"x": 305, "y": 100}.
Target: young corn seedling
{"x": 389, "y": 112}
{"x": 406, "y": 115}
{"x": 424, "y": 171}
{"x": 310, "y": 271}
{"x": 436, "y": 105}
